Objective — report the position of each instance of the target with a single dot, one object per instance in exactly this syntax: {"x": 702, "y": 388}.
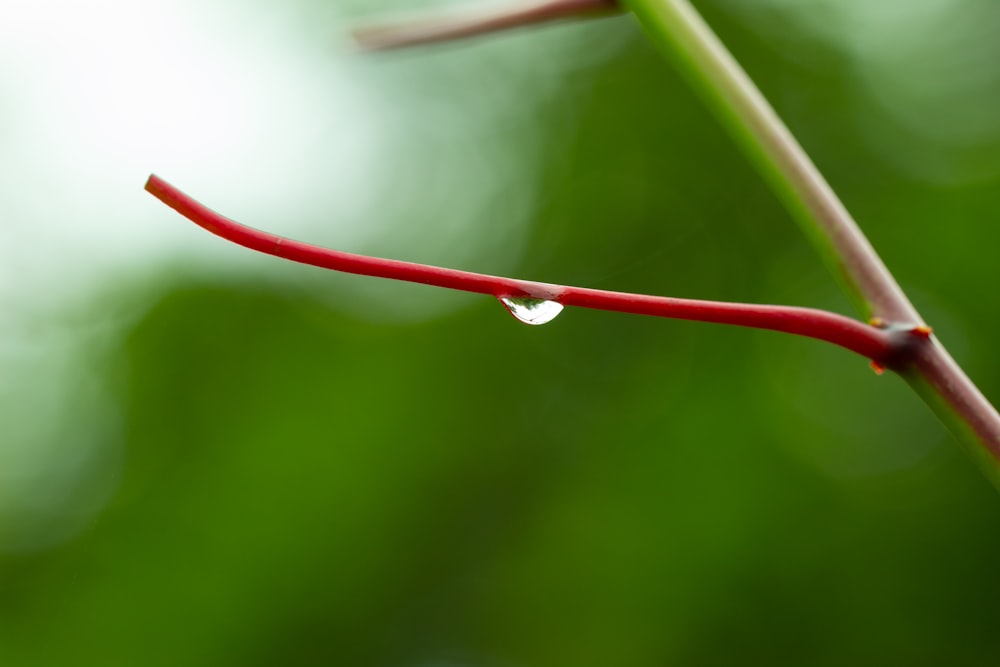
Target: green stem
{"x": 678, "y": 29}
{"x": 675, "y": 27}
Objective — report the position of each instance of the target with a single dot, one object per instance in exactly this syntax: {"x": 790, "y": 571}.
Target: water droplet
{"x": 532, "y": 311}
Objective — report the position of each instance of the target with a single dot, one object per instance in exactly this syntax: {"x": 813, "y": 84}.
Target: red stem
{"x": 882, "y": 345}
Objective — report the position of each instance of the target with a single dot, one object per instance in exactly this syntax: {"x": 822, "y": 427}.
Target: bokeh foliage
{"x": 309, "y": 479}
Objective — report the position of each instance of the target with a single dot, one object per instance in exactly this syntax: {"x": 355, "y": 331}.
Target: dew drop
{"x": 532, "y": 311}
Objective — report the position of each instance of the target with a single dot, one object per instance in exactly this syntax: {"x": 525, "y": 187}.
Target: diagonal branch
{"x": 677, "y": 28}
{"x": 886, "y": 346}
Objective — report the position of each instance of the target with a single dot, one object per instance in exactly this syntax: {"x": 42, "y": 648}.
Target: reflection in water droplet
{"x": 532, "y": 311}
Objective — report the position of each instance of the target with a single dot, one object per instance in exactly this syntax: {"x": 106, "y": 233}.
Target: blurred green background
{"x": 211, "y": 457}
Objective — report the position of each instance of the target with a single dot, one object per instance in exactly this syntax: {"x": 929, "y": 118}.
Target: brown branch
{"x": 449, "y": 28}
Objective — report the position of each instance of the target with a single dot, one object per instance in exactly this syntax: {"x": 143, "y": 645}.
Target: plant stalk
{"x": 678, "y": 30}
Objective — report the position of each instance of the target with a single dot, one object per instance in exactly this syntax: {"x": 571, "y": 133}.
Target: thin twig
{"x": 883, "y": 345}
{"x": 450, "y": 28}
